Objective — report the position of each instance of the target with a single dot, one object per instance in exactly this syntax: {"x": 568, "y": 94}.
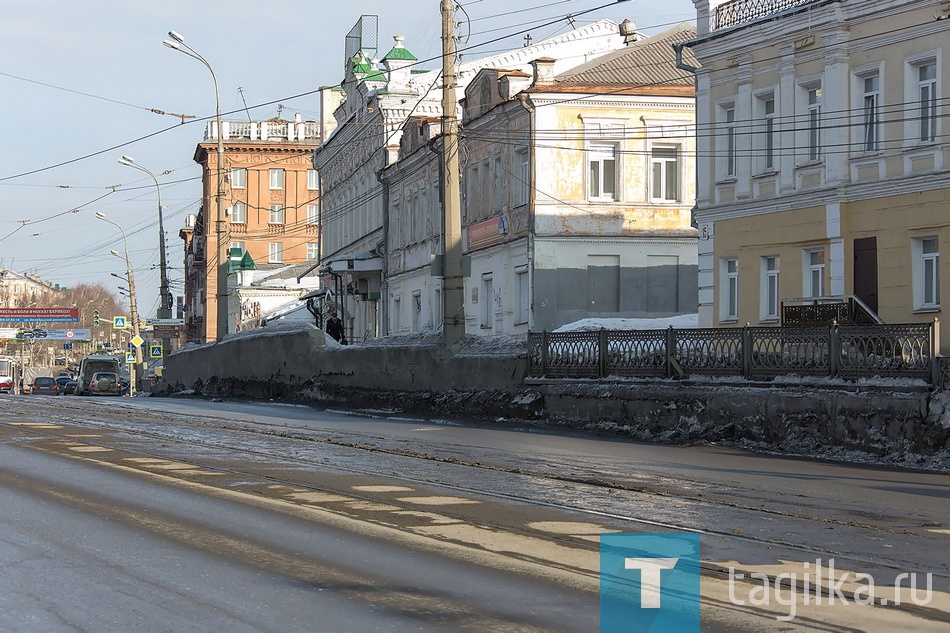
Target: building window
{"x": 523, "y": 184}
{"x": 238, "y": 246}
{"x": 524, "y": 300}
{"x": 766, "y": 136}
{"x": 313, "y": 214}
{"x": 602, "y": 172}
{"x": 926, "y": 273}
{"x": 275, "y": 252}
{"x": 770, "y": 288}
{"x": 313, "y": 179}
{"x": 238, "y": 178}
{"x": 276, "y": 214}
{"x": 814, "y": 124}
{"x": 814, "y": 285}
{"x": 927, "y": 91}
{"x": 730, "y": 142}
{"x": 313, "y": 251}
{"x": 729, "y": 268}
{"x": 871, "y": 113}
{"x": 276, "y": 178}
{"x": 665, "y": 166}
{"x": 239, "y": 213}
{"x": 397, "y": 313}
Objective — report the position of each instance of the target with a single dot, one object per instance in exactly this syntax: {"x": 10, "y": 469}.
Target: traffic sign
{"x": 165, "y": 321}
{"x": 70, "y": 334}
{"x": 130, "y": 357}
{"x": 138, "y": 340}
{"x": 98, "y": 347}
{"x": 155, "y": 350}
{"x": 118, "y": 323}
{"x": 67, "y": 345}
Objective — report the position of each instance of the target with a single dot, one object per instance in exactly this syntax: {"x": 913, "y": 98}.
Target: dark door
{"x": 865, "y": 271}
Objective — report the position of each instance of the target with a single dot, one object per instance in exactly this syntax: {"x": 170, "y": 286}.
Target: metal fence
{"x": 735, "y": 12}
{"x": 758, "y": 353}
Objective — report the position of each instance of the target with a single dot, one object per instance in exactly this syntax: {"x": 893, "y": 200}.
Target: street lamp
{"x": 177, "y": 42}
{"x": 138, "y": 368}
{"x": 165, "y": 301}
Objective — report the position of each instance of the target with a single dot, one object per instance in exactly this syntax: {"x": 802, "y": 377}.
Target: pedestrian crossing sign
{"x": 118, "y": 323}
{"x": 155, "y": 350}
{"x": 130, "y": 358}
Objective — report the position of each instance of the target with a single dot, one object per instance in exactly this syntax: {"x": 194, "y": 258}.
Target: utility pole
{"x": 453, "y": 319}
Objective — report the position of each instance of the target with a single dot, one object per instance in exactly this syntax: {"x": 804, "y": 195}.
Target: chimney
{"x": 543, "y": 71}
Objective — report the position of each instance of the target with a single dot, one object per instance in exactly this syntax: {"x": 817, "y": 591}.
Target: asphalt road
{"x": 178, "y": 515}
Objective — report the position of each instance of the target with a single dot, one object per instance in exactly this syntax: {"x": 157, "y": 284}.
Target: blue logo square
{"x": 649, "y": 583}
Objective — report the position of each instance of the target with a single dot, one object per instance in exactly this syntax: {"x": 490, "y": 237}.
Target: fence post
{"x": 602, "y": 344}
{"x": 670, "y": 350}
{"x": 935, "y": 376}
{"x": 834, "y": 349}
{"x": 746, "y": 352}
{"x": 544, "y": 353}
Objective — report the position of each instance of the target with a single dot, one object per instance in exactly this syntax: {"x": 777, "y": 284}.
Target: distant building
{"x": 19, "y": 290}
{"x": 577, "y": 190}
{"x": 272, "y": 199}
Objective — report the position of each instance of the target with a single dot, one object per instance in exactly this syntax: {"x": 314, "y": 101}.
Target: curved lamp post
{"x": 177, "y": 42}
{"x": 165, "y": 298}
{"x": 138, "y": 369}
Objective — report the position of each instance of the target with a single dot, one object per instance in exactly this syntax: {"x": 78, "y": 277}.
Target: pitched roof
{"x": 648, "y": 62}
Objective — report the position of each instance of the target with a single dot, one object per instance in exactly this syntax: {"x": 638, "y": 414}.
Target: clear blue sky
{"x": 77, "y": 80}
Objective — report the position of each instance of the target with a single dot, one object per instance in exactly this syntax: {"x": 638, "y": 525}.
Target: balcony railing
{"x": 735, "y": 12}
{"x": 299, "y": 131}
{"x": 845, "y": 309}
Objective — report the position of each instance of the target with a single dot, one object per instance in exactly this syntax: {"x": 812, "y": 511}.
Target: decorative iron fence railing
{"x": 737, "y": 12}
{"x": 838, "y": 351}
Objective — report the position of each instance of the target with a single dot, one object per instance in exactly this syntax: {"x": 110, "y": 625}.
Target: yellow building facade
{"x": 822, "y": 157}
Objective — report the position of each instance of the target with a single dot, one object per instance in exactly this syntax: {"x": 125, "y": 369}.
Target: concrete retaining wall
{"x": 297, "y": 366}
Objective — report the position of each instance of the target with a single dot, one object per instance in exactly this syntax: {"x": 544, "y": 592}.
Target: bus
{"x": 92, "y": 364}
{"x": 9, "y": 375}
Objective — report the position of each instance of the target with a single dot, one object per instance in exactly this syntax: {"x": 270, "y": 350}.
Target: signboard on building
{"x": 486, "y": 233}
{"x": 166, "y": 331}
{"x": 65, "y": 315}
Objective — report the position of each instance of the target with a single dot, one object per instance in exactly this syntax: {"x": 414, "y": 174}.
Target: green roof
{"x": 245, "y": 263}
{"x": 400, "y": 52}
{"x": 375, "y": 76}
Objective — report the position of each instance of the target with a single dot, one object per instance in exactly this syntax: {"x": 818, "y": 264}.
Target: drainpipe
{"x": 384, "y": 253}
{"x": 678, "y": 47}
{"x": 523, "y": 101}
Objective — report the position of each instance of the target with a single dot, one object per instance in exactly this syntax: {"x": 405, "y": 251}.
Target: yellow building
{"x": 822, "y": 158}
{"x": 272, "y": 208}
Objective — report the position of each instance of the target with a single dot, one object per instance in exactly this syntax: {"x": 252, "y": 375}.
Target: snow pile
{"x": 683, "y": 321}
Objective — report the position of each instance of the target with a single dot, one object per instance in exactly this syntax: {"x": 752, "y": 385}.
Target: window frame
{"x": 238, "y": 177}
{"x": 810, "y": 268}
{"x": 313, "y": 214}
{"x": 313, "y": 251}
{"x": 771, "y": 278}
{"x": 664, "y": 164}
{"x": 921, "y": 260}
{"x": 275, "y": 252}
{"x": 729, "y": 290}
{"x": 766, "y": 139}
{"x": 276, "y": 215}
{"x": 523, "y": 296}
{"x": 277, "y": 179}
{"x": 313, "y": 180}
{"x": 238, "y": 213}
{"x": 600, "y": 153}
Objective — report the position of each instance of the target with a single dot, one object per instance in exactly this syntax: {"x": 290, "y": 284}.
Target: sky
{"x": 78, "y": 81}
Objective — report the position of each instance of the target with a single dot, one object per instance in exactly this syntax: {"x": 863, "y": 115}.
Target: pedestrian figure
{"x": 335, "y": 328}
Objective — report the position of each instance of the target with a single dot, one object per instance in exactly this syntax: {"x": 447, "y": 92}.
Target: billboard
{"x": 65, "y": 315}
{"x": 45, "y": 334}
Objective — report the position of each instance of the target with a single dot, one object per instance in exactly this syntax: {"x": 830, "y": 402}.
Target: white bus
{"x": 9, "y": 375}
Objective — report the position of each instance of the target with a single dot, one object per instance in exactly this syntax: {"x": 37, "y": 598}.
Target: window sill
{"x": 770, "y": 321}
{"x": 728, "y": 180}
{"x": 768, "y": 173}
{"x": 927, "y": 310}
{"x": 520, "y": 323}
{"x": 810, "y": 163}
{"x": 728, "y": 321}
{"x": 876, "y": 154}
{"x": 922, "y": 146}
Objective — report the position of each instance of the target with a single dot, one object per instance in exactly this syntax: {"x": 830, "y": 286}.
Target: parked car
{"x": 69, "y": 388}
{"x": 44, "y": 385}
{"x": 104, "y": 383}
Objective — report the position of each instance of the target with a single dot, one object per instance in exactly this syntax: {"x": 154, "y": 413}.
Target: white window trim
{"x": 726, "y": 131}
{"x": 917, "y": 273}
{"x": 912, "y": 66}
{"x": 280, "y": 212}
{"x": 275, "y": 255}
{"x": 808, "y": 289}
{"x": 595, "y": 151}
{"x": 313, "y": 248}
{"x": 238, "y": 218}
{"x": 764, "y": 133}
{"x": 678, "y": 163}
{"x": 859, "y": 129}
{"x": 728, "y": 312}
{"x": 313, "y": 218}
{"x": 283, "y": 178}
{"x": 313, "y": 184}
{"x": 243, "y": 181}
{"x": 766, "y": 274}
{"x": 523, "y": 304}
